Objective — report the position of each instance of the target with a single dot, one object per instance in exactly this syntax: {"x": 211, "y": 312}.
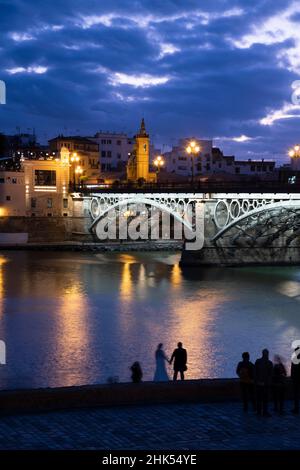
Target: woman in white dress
{"x": 161, "y": 374}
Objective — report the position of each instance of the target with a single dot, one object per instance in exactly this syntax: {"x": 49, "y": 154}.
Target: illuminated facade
{"x": 39, "y": 189}
{"x": 138, "y": 162}
{"x": 87, "y": 155}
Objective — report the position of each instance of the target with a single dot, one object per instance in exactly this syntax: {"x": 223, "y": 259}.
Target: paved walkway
{"x": 184, "y": 427}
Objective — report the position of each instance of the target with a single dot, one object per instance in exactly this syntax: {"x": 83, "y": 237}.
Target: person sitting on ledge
{"x": 136, "y": 372}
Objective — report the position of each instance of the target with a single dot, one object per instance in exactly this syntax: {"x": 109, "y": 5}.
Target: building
{"x": 40, "y": 188}
{"x": 178, "y": 161}
{"x": 114, "y": 149}
{"x": 139, "y": 159}
{"x": 14, "y": 147}
{"x": 85, "y": 153}
{"x": 210, "y": 161}
{"x": 12, "y": 193}
{"x": 260, "y": 168}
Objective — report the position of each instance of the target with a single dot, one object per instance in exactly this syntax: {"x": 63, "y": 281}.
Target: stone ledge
{"x": 145, "y": 393}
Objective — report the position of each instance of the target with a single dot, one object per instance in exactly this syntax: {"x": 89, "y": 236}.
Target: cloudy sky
{"x": 221, "y": 69}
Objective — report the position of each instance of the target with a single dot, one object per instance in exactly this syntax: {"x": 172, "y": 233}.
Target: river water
{"x": 77, "y": 318}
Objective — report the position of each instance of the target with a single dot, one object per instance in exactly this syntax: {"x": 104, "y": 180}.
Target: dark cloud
{"x": 79, "y": 65}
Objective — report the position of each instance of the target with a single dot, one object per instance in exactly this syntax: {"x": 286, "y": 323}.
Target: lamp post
{"x": 159, "y": 163}
{"x": 193, "y": 149}
{"x": 74, "y": 159}
{"x": 294, "y": 153}
{"x": 78, "y": 171}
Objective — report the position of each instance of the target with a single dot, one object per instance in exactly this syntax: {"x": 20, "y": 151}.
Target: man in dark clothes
{"x": 245, "y": 371}
{"x": 295, "y": 376}
{"x": 263, "y": 380}
{"x": 180, "y": 359}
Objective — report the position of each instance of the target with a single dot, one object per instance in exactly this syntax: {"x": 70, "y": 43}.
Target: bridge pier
{"x": 236, "y": 256}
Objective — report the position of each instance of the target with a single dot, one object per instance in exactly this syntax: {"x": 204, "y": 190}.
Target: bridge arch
{"x": 177, "y": 213}
{"x": 241, "y": 222}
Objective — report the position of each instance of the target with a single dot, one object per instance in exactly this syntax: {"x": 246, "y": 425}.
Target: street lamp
{"x": 295, "y": 152}
{"x": 159, "y": 163}
{"x": 74, "y": 159}
{"x": 193, "y": 149}
{"x": 78, "y": 171}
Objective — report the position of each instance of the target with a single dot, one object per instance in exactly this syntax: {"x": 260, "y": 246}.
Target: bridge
{"x": 238, "y": 227}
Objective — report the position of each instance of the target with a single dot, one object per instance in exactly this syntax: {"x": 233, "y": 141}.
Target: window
{"x": 108, "y": 154}
{"x": 14, "y": 180}
{"x": 119, "y": 142}
{"x": 45, "y": 177}
{"x": 119, "y": 156}
{"x": 49, "y": 202}
{"x": 8, "y": 198}
{"x": 237, "y": 170}
{"x": 33, "y": 202}
{"x": 103, "y": 166}
{"x": 65, "y": 203}
{"x": 103, "y": 141}
{"x": 103, "y": 154}
{"x": 108, "y": 142}
{"x": 2, "y": 180}
{"x": 49, "y": 214}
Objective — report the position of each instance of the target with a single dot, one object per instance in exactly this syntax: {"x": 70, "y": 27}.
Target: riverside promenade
{"x": 190, "y": 415}
{"x": 210, "y": 426}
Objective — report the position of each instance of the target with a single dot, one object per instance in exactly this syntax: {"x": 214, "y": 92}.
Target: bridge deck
{"x": 216, "y": 187}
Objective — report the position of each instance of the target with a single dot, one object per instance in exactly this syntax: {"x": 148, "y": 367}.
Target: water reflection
{"x": 79, "y": 318}
{"x": 71, "y": 342}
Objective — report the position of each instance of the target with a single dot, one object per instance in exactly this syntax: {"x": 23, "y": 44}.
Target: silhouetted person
{"x": 245, "y": 371}
{"x": 263, "y": 379}
{"x": 137, "y": 373}
{"x": 278, "y": 384}
{"x": 180, "y": 359}
{"x": 295, "y": 376}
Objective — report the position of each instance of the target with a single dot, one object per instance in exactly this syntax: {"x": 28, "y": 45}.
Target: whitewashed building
{"x": 211, "y": 161}
{"x": 113, "y": 150}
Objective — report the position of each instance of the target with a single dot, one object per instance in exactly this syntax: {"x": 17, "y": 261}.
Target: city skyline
{"x": 222, "y": 70}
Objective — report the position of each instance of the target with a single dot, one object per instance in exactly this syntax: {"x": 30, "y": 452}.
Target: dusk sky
{"x": 220, "y": 69}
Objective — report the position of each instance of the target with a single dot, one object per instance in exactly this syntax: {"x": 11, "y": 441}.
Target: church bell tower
{"x": 138, "y": 164}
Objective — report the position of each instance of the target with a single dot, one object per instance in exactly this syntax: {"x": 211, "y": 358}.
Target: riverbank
{"x": 124, "y": 246}
{"x": 108, "y": 395}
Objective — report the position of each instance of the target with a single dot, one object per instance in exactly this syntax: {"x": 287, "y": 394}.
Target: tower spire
{"x": 143, "y": 128}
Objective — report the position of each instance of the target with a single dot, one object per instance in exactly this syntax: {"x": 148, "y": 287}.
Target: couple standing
{"x": 180, "y": 359}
